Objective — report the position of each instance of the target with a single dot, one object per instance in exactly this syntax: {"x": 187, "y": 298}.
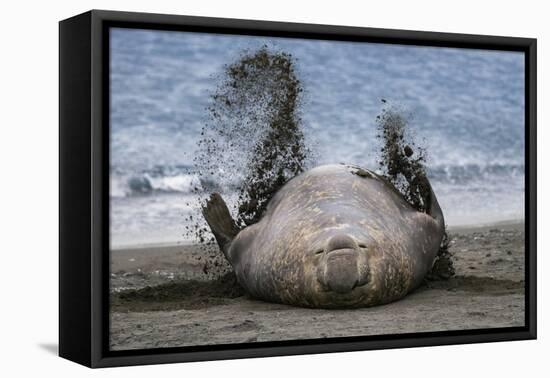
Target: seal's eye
{"x": 319, "y": 251}
{"x": 362, "y": 245}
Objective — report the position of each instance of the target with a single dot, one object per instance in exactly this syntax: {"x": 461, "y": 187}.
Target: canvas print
{"x": 271, "y": 189}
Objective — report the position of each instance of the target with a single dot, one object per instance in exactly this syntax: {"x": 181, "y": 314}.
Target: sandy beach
{"x": 169, "y": 296}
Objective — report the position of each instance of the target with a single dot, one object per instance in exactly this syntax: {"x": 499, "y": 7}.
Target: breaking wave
{"x": 468, "y": 173}
{"x": 173, "y": 181}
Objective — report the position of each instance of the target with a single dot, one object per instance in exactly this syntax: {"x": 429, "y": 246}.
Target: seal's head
{"x": 339, "y": 264}
{"x": 333, "y": 237}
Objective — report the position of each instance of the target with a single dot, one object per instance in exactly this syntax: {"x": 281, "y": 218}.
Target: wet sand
{"x": 169, "y": 296}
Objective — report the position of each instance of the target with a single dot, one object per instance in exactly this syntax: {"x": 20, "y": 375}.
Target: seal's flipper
{"x": 432, "y": 206}
{"x": 442, "y": 266}
{"x": 220, "y": 221}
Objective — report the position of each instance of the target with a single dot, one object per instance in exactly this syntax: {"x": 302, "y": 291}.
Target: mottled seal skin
{"x": 336, "y": 236}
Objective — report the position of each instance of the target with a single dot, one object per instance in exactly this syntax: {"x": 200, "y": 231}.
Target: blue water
{"x": 467, "y": 108}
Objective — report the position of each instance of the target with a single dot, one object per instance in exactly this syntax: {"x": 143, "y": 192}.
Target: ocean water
{"x": 467, "y": 109}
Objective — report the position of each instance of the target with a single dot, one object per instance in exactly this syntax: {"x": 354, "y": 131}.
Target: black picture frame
{"x": 84, "y": 201}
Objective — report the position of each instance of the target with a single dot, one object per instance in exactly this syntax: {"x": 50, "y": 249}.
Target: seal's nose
{"x": 340, "y": 242}
{"x": 341, "y": 274}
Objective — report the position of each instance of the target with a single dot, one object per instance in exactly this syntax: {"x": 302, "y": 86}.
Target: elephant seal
{"x": 336, "y": 236}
